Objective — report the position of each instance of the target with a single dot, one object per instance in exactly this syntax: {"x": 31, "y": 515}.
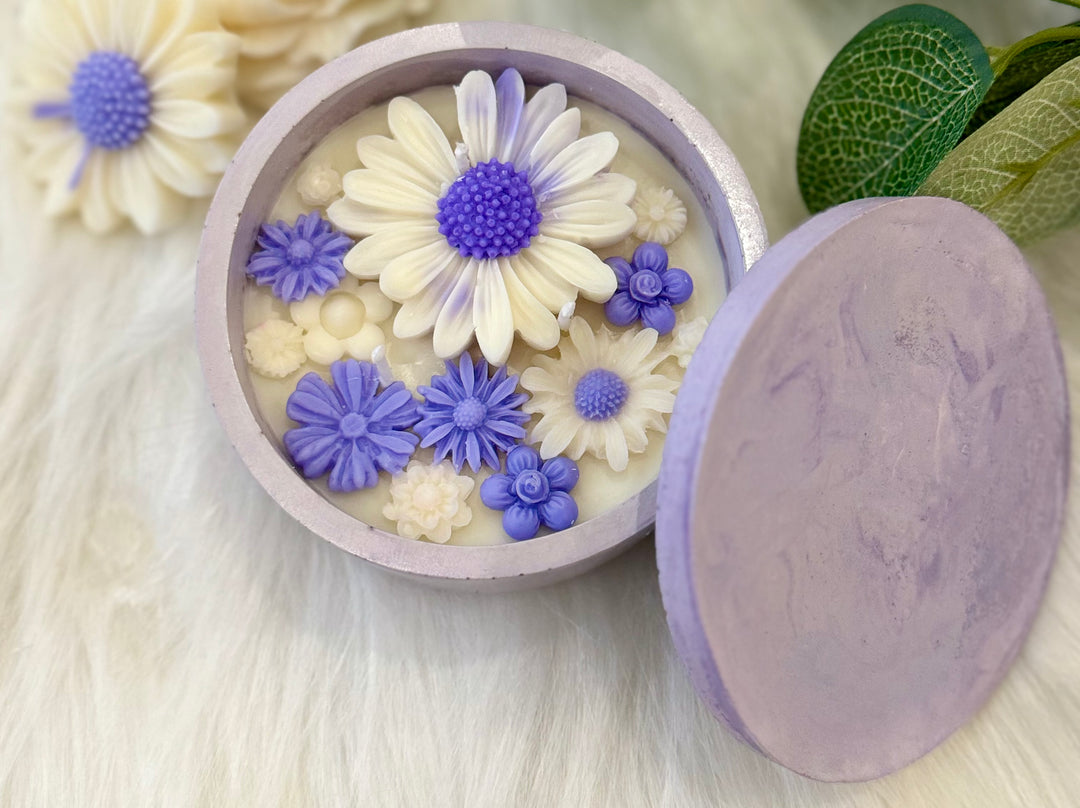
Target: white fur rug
{"x": 169, "y": 637}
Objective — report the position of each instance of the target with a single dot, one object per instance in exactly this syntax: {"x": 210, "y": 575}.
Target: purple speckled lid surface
{"x": 863, "y": 486}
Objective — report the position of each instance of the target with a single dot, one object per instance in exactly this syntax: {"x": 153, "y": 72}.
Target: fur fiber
{"x": 169, "y": 637}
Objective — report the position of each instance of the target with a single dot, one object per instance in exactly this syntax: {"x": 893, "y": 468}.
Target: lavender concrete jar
{"x": 399, "y": 65}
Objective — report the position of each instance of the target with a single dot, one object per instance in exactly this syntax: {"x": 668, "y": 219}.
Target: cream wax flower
{"x": 686, "y": 338}
{"x": 344, "y": 321}
{"x": 275, "y": 349}
{"x": 661, "y": 216}
{"x": 429, "y": 501}
{"x": 495, "y": 236}
{"x": 284, "y": 40}
{"x": 600, "y": 396}
{"x": 130, "y": 106}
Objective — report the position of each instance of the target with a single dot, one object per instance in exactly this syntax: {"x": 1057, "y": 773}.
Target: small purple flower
{"x": 469, "y": 416}
{"x": 349, "y": 428}
{"x": 299, "y": 260}
{"x": 531, "y": 494}
{"x": 647, "y": 289}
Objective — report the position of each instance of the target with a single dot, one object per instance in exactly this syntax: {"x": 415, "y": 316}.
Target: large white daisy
{"x": 129, "y": 106}
{"x": 600, "y": 396}
{"x": 284, "y": 40}
{"x": 496, "y": 236}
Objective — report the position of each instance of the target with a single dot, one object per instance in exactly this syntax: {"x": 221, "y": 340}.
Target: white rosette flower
{"x": 600, "y": 396}
{"x": 275, "y": 349}
{"x": 344, "y": 321}
{"x": 496, "y": 237}
{"x": 130, "y": 107}
{"x": 429, "y": 501}
{"x": 686, "y": 338}
{"x": 318, "y": 185}
{"x": 285, "y": 40}
{"x": 661, "y": 216}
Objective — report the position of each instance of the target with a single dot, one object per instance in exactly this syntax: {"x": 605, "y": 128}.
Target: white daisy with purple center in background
{"x": 130, "y": 107}
{"x": 492, "y": 238}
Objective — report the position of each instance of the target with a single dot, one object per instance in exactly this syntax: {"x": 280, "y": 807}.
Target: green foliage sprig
{"x": 914, "y": 103}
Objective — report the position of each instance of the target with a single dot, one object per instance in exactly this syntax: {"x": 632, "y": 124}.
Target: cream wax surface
{"x": 414, "y": 362}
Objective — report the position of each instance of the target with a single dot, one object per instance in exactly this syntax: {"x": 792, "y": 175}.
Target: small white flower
{"x": 686, "y": 338}
{"x": 285, "y": 40}
{"x": 429, "y": 501}
{"x": 318, "y": 185}
{"x": 344, "y": 321}
{"x": 130, "y": 107}
{"x": 275, "y": 348}
{"x": 661, "y": 216}
{"x": 496, "y": 238}
{"x": 600, "y": 396}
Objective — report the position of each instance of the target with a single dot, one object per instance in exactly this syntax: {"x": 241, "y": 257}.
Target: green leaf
{"x": 890, "y": 106}
{"x": 1022, "y": 66}
{"x": 1022, "y": 167}
{"x": 1069, "y": 2}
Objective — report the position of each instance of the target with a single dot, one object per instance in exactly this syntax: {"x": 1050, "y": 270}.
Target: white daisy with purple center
{"x": 600, "y": 396}
{"x": 495, "y": 237}
{"x": 131, "y": 107}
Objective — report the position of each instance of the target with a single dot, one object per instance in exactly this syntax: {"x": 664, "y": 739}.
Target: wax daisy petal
{"x": 647, "y": 289}
{"x": 589, "y": 222}
{"x": 608, "y": 186}
{"x": 599, "y": 391}
{"x": 429, "y": 501}
{"x": 478, "y": 115}
{"x": 539, "y": 113}
{"x": 578, "y": 162}
{"x": 349, "y": 427}
{"x": 470, "y": 416}
{"x": 505, "y": 244}
{"x": 424, "y": 142}
{"x": 529, "y": 494}
{"x": 275, "y": 349}
{"x": 371, "y": 256}
{"x": 99, "y": 82}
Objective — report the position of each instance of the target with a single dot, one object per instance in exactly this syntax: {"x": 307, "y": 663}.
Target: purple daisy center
{"x": 532, "y": 487}
{"x": 300, "y": 252}
{"x": 353, "y": 426}
{"x": 489, "y": 212}
{"x": 600, "y": 394}
{"x": 110, "y": 100}
{"x": 469, "y": 414}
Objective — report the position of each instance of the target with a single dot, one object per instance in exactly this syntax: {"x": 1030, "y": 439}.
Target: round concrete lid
{"x": 863, "y": 486}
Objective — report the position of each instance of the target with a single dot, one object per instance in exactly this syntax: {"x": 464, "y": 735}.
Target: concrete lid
{"x": 864, "y": 485}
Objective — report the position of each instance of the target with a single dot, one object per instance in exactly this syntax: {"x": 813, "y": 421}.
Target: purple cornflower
{"x": 647, "y": 289}
{"x": 530, "y": 494}
{"x": 469, "y": 416}
{"x": 349, "y": 428}
{"x": 301, "y": 259}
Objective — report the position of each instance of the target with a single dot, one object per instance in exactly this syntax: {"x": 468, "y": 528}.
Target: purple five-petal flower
{"x": 647, "y": 289}
{"x": 532, "y": 493}
{"x": 349, "y": 428}
{"x": 301, "y": 259}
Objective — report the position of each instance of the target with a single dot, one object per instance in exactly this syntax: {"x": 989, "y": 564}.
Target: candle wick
{"x": 566, "y": 314}
{"x": 378, "y": 359}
